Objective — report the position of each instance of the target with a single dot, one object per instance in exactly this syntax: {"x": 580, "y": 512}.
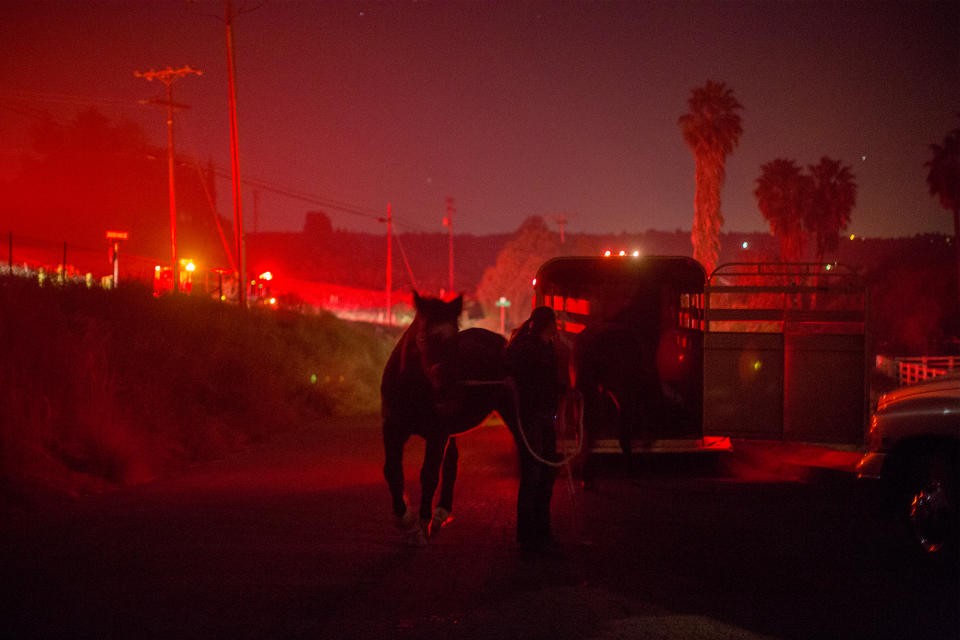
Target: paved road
{"x": 294, "y": 540}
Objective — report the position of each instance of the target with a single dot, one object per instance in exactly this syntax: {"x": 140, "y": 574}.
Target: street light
{"x": 503, "y": 303}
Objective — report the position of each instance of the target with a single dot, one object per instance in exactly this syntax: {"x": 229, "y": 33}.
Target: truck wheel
{"x": 929, "y": 502}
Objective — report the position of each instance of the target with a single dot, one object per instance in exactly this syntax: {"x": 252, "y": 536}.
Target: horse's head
{"x": 435, "y": 330}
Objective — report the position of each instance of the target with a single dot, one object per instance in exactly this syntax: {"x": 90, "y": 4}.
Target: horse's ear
{"x": 457, "y": 304}
{"x": 417, "y": 300}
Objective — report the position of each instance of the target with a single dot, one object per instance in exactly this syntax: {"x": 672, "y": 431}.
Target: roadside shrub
{"x": 114, "y": 387}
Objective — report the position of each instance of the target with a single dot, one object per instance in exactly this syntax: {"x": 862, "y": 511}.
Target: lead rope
{"x": 577, "y": 399}
{"x": 508, "y": 382}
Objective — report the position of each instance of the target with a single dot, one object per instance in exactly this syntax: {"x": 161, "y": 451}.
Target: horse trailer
{"x": 668, "y": 359}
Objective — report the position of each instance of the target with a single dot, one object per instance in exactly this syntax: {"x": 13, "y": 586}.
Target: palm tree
{"x": 782, "y": 192}
{"x": 944, "y": 182}
{"x": 833, "y": 194}
{"x": 712, "y": 130}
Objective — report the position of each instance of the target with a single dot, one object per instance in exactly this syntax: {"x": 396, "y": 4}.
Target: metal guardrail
{"x": 911, "y": 370}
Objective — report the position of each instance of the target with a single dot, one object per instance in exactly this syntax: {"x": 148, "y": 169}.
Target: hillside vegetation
{"x": 103, "y": 388}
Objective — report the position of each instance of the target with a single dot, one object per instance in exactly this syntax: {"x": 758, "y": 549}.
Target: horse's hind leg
{"x": 394, "y": 439}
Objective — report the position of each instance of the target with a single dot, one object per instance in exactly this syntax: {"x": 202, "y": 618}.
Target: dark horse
{"x": 429, "y": 389}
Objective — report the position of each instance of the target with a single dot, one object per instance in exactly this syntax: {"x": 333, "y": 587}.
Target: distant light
{"x": 863, "y": 158}
{"x": 157, "y": 268}
{"x": 606, "y": 254}
{"x": 829, "y": 267}
{"x": 853, "y": 236}
{"x": 266, "y": 275}
{"x": 745, "y": 245}
{"x": 636, "y": 254}
{"x": 313, "y": 378}
{"x": 622, "y": 252}
{"x": 222, "y": 298}
{"x": 533, "y": 282}
{"x": 273, "y": 301}
{"x": 190, "y": 267}
{"x": 757, "y": 365}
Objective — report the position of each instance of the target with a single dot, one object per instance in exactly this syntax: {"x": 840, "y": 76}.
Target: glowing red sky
{"x": 513, "y": 109}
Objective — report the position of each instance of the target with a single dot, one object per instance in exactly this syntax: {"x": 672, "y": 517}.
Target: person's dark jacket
{"x": 532, "y": 363}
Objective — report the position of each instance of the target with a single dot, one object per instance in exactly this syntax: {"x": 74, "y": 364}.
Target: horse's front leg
{"x": 430, "y": 475}
{"x": 394, "y": 439}
{"x": 448, "y": 476}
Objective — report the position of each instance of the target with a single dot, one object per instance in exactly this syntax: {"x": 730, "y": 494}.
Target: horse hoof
{"x": 441, "y": 518}
{"x": 408, "y": 521}
{"x": 416, "y": 537}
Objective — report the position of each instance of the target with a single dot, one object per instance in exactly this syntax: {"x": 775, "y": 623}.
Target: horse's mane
{"x": 426, "y": 307}
{"x": 417, "y": 381}
{"x": 409, "y": 351}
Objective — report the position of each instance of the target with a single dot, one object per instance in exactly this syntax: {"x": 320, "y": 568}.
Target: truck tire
{"x": 928, "y": 502}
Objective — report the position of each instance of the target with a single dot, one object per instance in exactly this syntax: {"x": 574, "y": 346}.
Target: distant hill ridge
{"x": 357, "y": 259}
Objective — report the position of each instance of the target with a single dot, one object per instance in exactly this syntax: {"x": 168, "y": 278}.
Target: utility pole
{"x": 168, "y": 76}
{"x": 256, "y": 210}
{"x": 235, "y": 161}
{"x": 561, "y": 220}
{"x": 389, "y": 221}
{"x": 448, "y": 222}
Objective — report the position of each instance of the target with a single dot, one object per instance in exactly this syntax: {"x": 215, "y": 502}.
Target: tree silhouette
{"x": 782, "y": 191}
{"x": 711, "y": 129}
{"x": 944, "y": 181}
{"x": 832, "y": 196}
{"x": 517, "y": 263}
{"x": 90, "y": 174}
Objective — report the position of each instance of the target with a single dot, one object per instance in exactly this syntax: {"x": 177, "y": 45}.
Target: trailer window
{"x": 572, "y": 327}
{"x": 577, "y": 305}
{"x": 690, "y": 312}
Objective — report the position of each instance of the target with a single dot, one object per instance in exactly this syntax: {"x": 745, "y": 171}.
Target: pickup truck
{"x": 913, "y": 449}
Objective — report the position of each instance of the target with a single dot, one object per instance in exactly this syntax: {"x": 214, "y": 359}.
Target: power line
{"x": 344, "y": 207}
{"x": 323, "y": 201}
{"x": 320, "y": 200}
{"x": 406, "y": 263}
{"x": 216, "y": 216}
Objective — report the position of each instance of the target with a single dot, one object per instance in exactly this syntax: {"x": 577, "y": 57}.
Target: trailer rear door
{"x": 785, "y": 353}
